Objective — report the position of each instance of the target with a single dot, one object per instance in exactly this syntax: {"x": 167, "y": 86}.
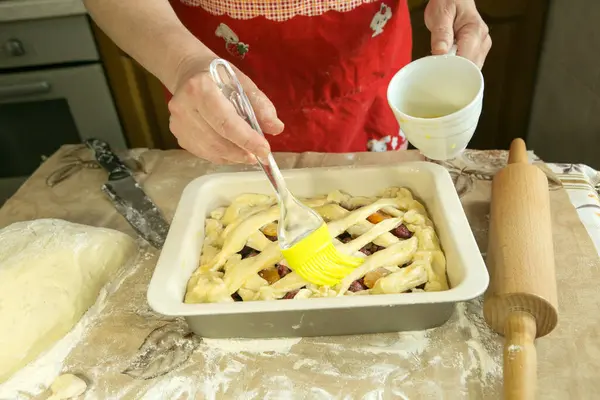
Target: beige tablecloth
{"x": 126, "y": 351}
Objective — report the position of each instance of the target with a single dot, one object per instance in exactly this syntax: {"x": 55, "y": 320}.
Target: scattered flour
{"x": 178, "y": 387}
{"x": 401, "y": 365}
{"x": 409, "y": 344}
{"x": 252, "y": 345}
{"x": 483, "y": 362}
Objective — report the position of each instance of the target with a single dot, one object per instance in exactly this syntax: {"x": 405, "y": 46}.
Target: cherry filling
{"x": 370, "y": 249}
{"x": 283, "y": 270}
{"x": 357, "y": 286}
{"x": 290, "y": 295}
{"x": 344, "y": 237}
{"x": 247, "y": 252}
{"x": 236, "y": 297}
{"x": 401, "y": 232}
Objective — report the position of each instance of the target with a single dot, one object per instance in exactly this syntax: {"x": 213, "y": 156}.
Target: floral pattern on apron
{"x": 325, "y": 64}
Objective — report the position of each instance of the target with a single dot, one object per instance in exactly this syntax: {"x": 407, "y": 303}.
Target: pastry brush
{"x": 303, "y": 237}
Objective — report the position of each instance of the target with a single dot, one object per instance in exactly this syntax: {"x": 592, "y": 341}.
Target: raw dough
{"x": 67, "y": 386}
{"x": 51, "y": 272}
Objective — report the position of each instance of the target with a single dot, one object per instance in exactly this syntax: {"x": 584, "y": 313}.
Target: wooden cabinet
{"x": 139, "y": 97}
{"x": 517, "y": 30}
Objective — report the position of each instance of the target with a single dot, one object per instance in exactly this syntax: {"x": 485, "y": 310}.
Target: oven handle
{"x": 24, "y": 89}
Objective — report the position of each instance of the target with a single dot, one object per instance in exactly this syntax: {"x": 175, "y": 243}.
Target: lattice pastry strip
{"x": 271, "y": 255}
{"x": 397, "y": 264}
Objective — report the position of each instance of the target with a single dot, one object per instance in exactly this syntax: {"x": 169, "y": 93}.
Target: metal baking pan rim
{"x": 474, "y": 283}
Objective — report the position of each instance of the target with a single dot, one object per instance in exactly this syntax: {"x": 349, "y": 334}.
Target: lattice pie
{"x": 241, "y": 260}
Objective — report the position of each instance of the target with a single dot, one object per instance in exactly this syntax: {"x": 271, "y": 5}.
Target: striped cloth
{"x": 582, "y": 184}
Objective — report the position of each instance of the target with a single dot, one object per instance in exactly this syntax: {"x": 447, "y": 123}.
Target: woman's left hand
{"x": 458, "y": 21}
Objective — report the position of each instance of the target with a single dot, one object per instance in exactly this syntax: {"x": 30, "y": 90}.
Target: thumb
{"x": 439, "y": 19}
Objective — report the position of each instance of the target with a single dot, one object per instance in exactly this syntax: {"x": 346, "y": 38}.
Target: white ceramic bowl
{"x": 437, "y": 101}
{"x": 429, "y": 182}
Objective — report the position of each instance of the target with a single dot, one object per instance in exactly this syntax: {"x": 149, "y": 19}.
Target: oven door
{"x": 45, "y": 109}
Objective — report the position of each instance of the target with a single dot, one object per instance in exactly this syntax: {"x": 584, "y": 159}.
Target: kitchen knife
{"x": 128, "y": 197}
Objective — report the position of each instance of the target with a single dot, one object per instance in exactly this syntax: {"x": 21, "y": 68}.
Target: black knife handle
{"x": 108, "y": 160}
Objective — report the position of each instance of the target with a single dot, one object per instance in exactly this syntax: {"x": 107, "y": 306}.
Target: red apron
{"x": 325, "y": 64}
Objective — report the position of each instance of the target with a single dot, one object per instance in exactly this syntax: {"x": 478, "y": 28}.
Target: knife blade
{"x": 128, "y": 197}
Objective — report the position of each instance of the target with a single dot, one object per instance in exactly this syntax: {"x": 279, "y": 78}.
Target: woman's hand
{"x": 458, "y": 21}
{"x": 206, "y": 124}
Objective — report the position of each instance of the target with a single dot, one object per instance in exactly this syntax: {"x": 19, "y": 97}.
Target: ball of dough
{"x": 51, "y": 272}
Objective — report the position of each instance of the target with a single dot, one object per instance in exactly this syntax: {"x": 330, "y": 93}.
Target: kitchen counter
{"x": 125, "y": 350}
{"x": 17, "y": 10}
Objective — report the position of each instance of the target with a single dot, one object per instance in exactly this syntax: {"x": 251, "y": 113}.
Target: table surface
{"x": 125, "y": 350}
{"x": 582, "y": 184}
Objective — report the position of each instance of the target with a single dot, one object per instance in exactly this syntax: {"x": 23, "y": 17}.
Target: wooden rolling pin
{"x": 520, "y": 302}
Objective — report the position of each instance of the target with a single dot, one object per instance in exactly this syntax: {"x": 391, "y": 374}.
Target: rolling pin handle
{"x": 520, "y": 358}
{"x": 518, "y": 152}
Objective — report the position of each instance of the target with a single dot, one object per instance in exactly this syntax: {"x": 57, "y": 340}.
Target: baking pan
{"x": 430, "y": 183}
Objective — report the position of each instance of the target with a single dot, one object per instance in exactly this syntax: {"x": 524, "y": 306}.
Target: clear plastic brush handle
{"x": 293, "y": 229}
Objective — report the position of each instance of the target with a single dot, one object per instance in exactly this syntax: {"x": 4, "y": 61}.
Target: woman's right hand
{"x": 206, "y": 124}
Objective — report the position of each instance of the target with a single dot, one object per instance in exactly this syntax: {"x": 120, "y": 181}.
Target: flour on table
{"x": 481, "y": 335}
{"x": 395, "y": 365}
{"x": 252, "y": 345}
{"x": 409, "y": 344}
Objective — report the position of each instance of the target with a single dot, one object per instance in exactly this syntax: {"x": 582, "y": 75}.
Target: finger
{"x": 211, "y": 144}
{"x": 196, "y": 136}
{"x": 213, "y": 152}
{"x": 469, "y": 40}
{"x": 439, "y": 19}
{"x": 220, "y": 114}
{"x": 265, "y": 111}
{"x": 485, "y": 49}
